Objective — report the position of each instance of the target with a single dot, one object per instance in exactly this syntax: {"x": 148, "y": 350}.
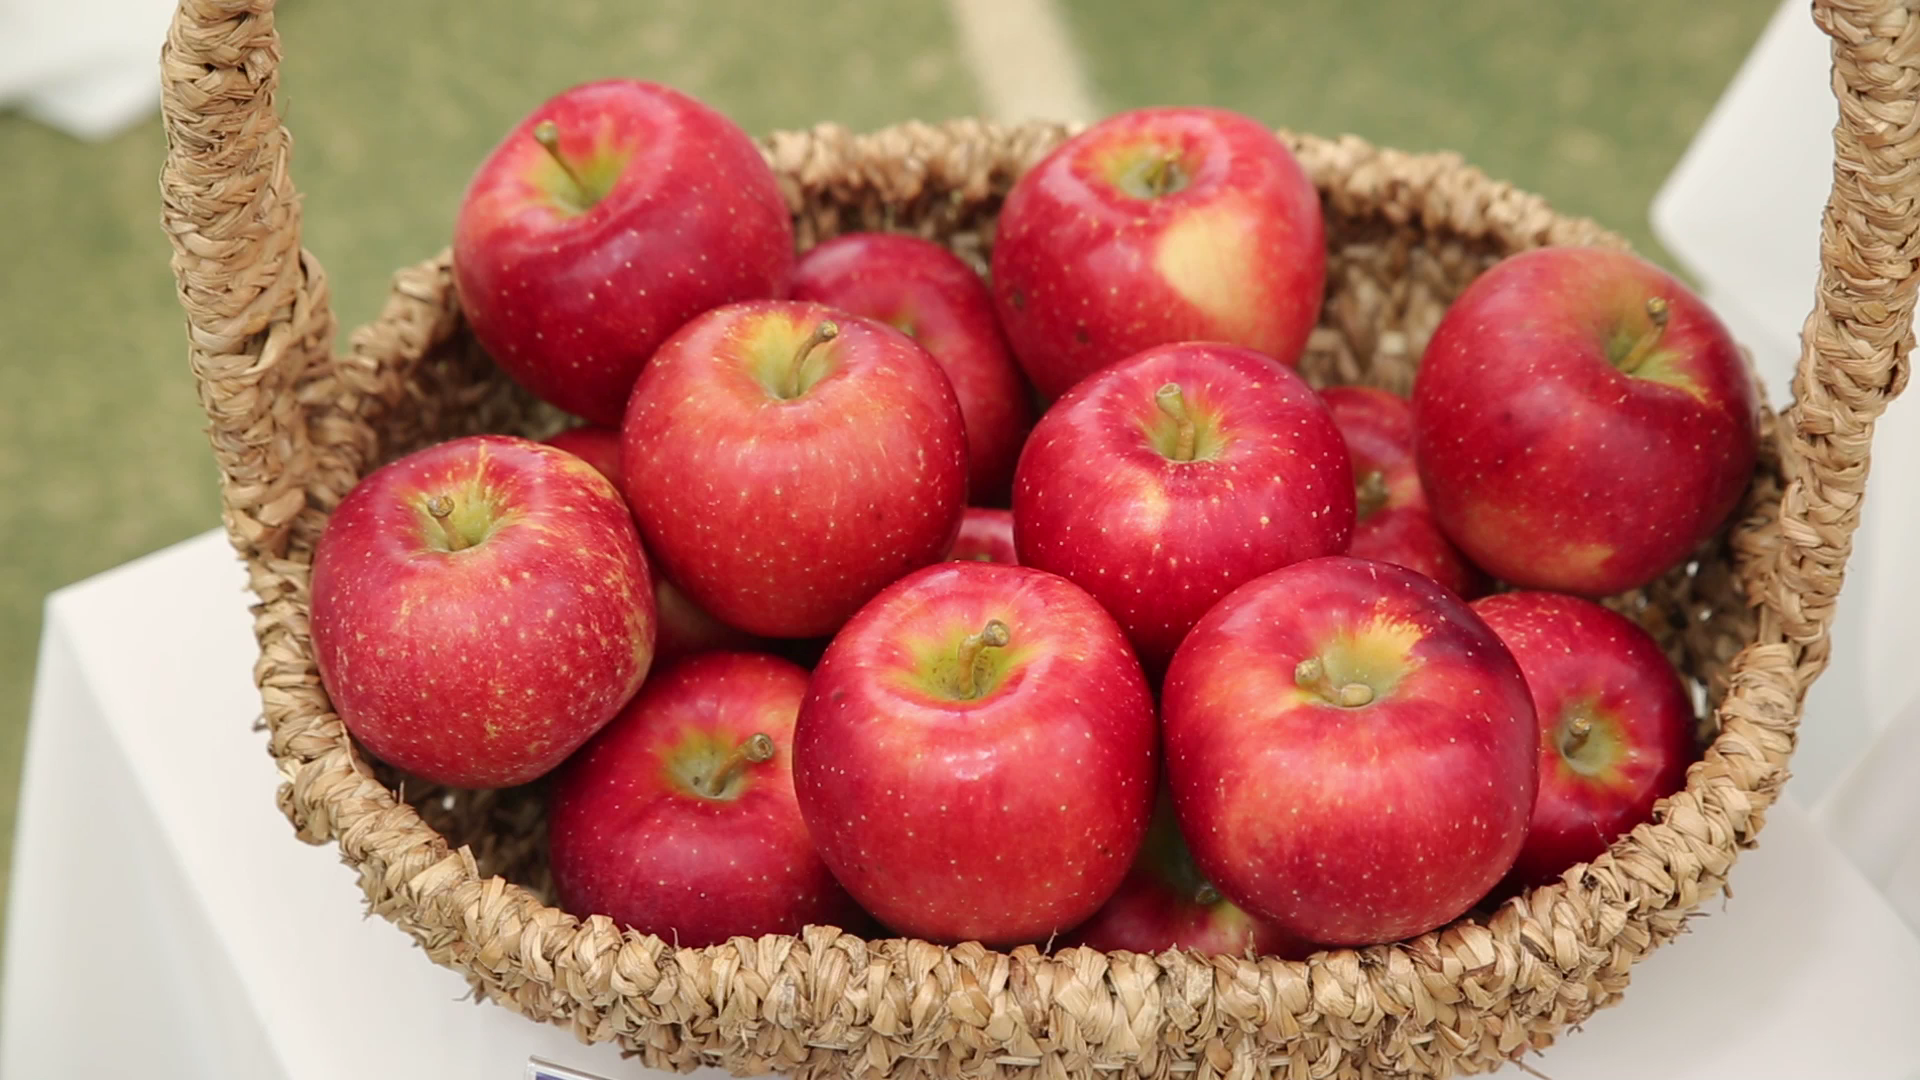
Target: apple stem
{"x": 547, "y": 134}
{"x": 1174, "y": 404}
{"x": 1310, "y": 674}
{"x": 973, "y": 653}
{"x": 1206, "y": 895}
{"x": 757, "y": 748}
{"x": 1160, "y": 175}
{"x": 1658, "y": 313}
{"x": 1371, "y": 494}
{"x": 1578, "y": 729}
{"x": 822, "y": 334}
{"x": 440, "y": 508}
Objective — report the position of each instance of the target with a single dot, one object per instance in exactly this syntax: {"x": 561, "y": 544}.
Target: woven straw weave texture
{"x": 293, "y": 424}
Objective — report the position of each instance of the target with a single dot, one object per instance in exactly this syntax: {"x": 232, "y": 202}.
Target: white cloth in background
{"x": 89, "y": 68}
{"x": 1873, "y": 813}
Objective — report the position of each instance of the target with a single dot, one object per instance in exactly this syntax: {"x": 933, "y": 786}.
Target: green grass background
{"x": 392, "y": 105}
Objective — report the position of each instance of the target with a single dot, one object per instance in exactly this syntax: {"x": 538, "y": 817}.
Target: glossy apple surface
{"x": 1157, "y": 226}
{"x": 931, "y": 295}
{"x": 1393, "y": 523}
{"x": 679, "y": 819}
{"x": 786, "y": 461}
{"x": 976, "y": 757}
{"x": 576, "y": 256}
{"x": 986, "y": 535}
{"x": 595, "y": 445}
{"x": 480, "y": 609}
{"x": 1616, "y": 725}
{"x": 1582, "y": 421}
{"x": 1351, "y": 750}
{"x": 684, "y": 627}
{"x": 1165, "y": 481}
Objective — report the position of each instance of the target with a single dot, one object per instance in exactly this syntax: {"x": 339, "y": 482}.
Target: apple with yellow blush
{"x": 1157, "y": 226}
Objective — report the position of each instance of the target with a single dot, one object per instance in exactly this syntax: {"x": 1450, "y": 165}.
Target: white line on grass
{"x": 1023, "y": 59}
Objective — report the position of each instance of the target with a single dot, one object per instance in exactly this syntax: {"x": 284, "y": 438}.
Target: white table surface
{"x": 160, "y": 896}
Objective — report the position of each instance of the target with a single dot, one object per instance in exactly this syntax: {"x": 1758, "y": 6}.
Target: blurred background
{"x": 392, "y": 105}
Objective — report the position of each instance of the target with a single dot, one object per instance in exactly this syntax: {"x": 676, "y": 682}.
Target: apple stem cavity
{"x": 1658, "y": 312}
{"x": 440, "y": 508}
{"x": 973, "y": 656}
{"x": 1174, "y": 404}
{"x": 757, "y": 748}
{"x": 1370, "y": 494}
{"x": 1311, "y": 675}
{"x": 796, "y": 383}
{"x": 547, "y": 134}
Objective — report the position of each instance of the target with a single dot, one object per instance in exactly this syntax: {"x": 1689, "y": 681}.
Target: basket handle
{"x": 257, "y": 311}
{"x": 1854, "y": 346}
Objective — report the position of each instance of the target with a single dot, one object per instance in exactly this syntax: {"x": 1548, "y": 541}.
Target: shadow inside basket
{"x": 1387, "y": 286}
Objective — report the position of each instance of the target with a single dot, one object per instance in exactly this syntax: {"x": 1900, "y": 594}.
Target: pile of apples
{"x": 1045, "y": 606}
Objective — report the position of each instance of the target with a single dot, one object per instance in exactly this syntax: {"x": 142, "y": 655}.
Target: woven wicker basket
{"x": 294, "y": 425}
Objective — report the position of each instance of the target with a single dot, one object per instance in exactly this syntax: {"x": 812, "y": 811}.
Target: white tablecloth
{"x": 160, "y": 896}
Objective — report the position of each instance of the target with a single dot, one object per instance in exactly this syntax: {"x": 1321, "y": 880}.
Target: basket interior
{"x": 1388, "y": 284}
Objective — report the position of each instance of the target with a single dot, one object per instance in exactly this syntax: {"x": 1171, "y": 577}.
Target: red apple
{"x": 597, "y": 446}
{"x": 1351, "y": 750}
{"x": 1155, "y": 226}
{"x": 1616, "y": 725}
{"x": 1582, "y": 421}
{"x": 614, "y": 213}
{"x": 679, "y": 819}
{"x": 685, "y": 629}
{"x": 975, "y": 757}
{"x": 480, "y": 609}
{"x": 1166, "y": 480}
{"x": 786, "y": 462}
{"x": 1393, "y": 523}
{"x": 986, "y": 535}
{"x": 928, "y": 293}
{"x": 1164, "y": 904}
